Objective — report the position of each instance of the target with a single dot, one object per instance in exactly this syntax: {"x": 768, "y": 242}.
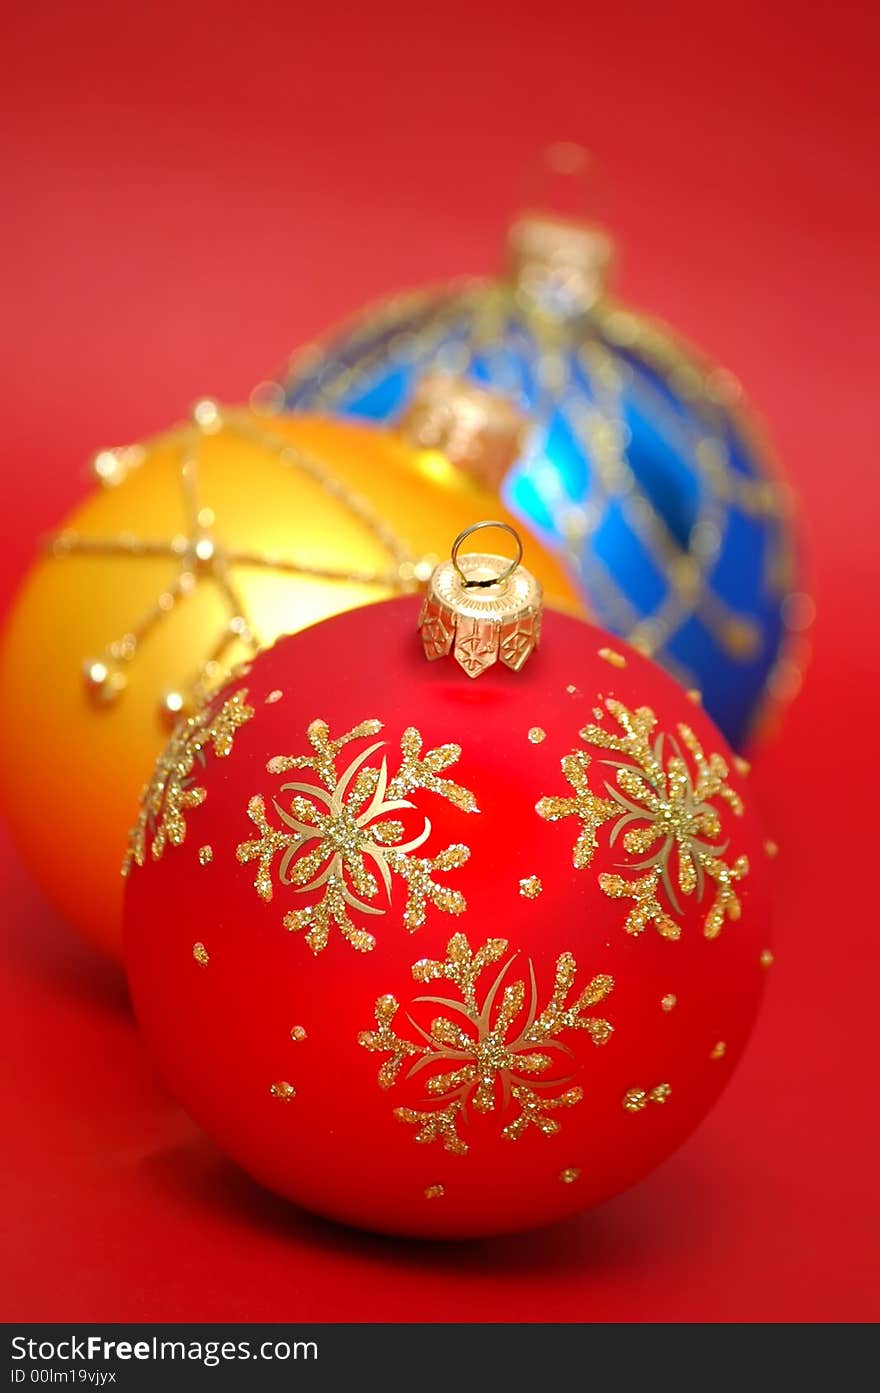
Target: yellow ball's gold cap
{"x": 479, "y": 430}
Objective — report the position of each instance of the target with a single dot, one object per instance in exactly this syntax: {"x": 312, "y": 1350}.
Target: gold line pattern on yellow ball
{"x": 199, "y": 556}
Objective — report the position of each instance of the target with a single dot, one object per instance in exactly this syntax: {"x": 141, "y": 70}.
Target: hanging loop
{"x": 472, "y": 584}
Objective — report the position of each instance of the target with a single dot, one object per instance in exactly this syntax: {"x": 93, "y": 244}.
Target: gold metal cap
{"x": 482, "y": 608}
{"x": 558, "y": 264}
{"x": 477, "y": 429}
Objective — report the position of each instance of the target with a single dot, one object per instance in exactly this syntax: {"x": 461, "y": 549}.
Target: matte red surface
{"x": 221, "y": 1032}
{"x": 192, "y": 189}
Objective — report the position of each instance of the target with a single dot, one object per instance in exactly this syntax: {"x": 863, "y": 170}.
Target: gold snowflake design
{"x": 663, "y": 810}
{"x": 338, "y": 839}
{"x": 496, "y": 1052}
{"x": 173, "y": 791}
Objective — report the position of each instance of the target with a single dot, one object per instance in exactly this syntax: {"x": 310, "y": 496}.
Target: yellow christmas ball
{"x": 197, "y": 548}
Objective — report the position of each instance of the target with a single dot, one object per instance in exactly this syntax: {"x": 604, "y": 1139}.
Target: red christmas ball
{"x": 446, "y": 957}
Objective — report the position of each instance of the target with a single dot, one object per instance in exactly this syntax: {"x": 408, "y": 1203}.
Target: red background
{"x": 192, "y": 189}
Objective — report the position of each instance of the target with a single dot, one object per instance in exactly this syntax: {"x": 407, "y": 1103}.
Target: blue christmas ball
{"x": 639, "y": 461}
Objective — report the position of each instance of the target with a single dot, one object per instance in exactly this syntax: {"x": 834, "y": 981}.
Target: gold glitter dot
{"x": 635, "y": 1099}
{"x": 206, "y": 855}
{"x": 570, "y": 1175}
{"x": 718, "y": 1051}
{"x": 283, "y": 1090}
{"x": 531, "y": 887}
{"x": 571, "y": 689}
{"x": 695, "y": 695}
{"x": 536, "y": 735}
{"x": 610, "y": 655}
{"x": 668, "y": 1001}
{"x": 298, "y": 1032}
{"x": 435, "y": 1192}
{"x": 274, "y": 696}
{"x": 741, "y": 765}
{"x": 200, "y": 953}
{"x": 598, "y": 713}
{"x": 766, "y": 959}
{"x": 771, "y": 849}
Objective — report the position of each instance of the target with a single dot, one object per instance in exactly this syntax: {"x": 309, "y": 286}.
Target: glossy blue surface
{"x": 741, "y": 551}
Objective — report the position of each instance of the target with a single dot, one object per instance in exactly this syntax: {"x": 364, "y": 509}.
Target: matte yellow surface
{"x": 71, "y": 771}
